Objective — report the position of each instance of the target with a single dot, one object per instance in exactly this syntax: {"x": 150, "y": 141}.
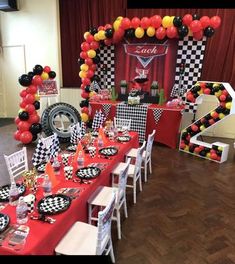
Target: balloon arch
{"x": 152, "y": 27}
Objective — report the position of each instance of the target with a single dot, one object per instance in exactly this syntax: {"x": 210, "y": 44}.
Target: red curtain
{"x": 77, "y": 16}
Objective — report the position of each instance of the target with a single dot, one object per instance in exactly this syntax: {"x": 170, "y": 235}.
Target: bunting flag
{"x": 75, "y": 132}
{"x": 106, "y": 109}
{"x": 157, "y": 114}
{"x": 83, "y": 129}
{"x": 55, "y": 147}
{"x": 41, "y": 153}
{"x": 98, "y": 120}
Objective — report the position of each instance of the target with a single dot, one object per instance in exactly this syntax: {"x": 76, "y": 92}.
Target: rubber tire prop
{"x": 48, "y": 120}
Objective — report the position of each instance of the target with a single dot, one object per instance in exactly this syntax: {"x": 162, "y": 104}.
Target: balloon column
{"x": 153, "y": 27}
{"x": 27, "y": 121}
{"x": 223, "y": 94}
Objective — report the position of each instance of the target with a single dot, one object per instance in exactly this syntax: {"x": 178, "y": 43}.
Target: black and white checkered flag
{"x": 106, "y": 109}
{"x": 83, "y": 129}
{"x": 55, "y": 147}
{"x": 75, "y": 131}
{"x": 41, "y": 153}
{"x": 98, "y": 120}
{"x": 157, "y": 114}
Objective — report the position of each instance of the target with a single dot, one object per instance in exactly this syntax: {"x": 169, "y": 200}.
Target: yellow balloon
{"x": 215, "y": 85}
{"x": 101, "y": 35}
{"x": 166, "y": 21}
{"x": 228, "y": 105}
{"x": 82, "y": 74}
{"x": 96, "y": 37}
{"x": 84, "y": 67}
{"x": 150, "y": 31}
{"x": 186, "y": 148}
{"x": 221, "y": 115}
{"x": 200, "y": 92}
{"x": 190, "y": 33}
{"x": 116, "y": 24}
{"x": 84, "y": 117}
{"x": 208, "y": 155}
{"x": 37, "y": 97}
{"x": 119, "y": 18}
{"x": 218, "y": 94}
{"x": 139, "y": 32}
{"x": 45, "y": 76}
{"x": 202, "y": 127}
{"x": 172, "y": 19}
{"x": 220, "y": 148}
{"x": 86, "y": 34}
{"x": 91, "y": 53}
{"x": 92, "y": 93}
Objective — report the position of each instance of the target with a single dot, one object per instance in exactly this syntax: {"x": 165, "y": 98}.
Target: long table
{"x": 44, "y": 237}
{"x": 167, "y": 128}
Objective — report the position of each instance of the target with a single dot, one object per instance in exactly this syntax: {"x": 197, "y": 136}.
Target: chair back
{"x": 104, "y": 225}
{"x": 122, "y": 182}
{"x": 17, "y": 163}
{"x": 120, "y": 123}
{"x": 138, "y": 160}
{"x": 150, "y": 144}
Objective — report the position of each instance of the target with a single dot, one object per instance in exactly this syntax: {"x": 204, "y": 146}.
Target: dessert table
{"x": 43, "y": 237}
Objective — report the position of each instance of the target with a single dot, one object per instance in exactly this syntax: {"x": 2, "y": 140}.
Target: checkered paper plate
{"x": 87, "y": 173}
{"x": 54, "y": 204}
{"x": 4, "y": 222}
{"x": 108, "y": 151}
{"x": 123, "y": 138}
{"x": 4, "y": 191}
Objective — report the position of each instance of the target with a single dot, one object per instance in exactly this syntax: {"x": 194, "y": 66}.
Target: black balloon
{"x": 206, "y": 123}
{"x": 23, "y": 115}
{"x": 209, "y": 85}
{"x": 81, "y": 61}
{"x": 226, "y": 111}
{"x": 221, "y": 87}
{"x": 25, "y": 80}
{"x": 202, "y": 153}
{"x": 35, "y": 137}
{"x": 209, "y": 32}
{"x": 216, "y": 88}
{"x": 38, "y": 69}
{"x": 96, "y": 59}
{"x": 208, "y": 117}
{"x": 130, "y": 33}
{"x": 36, "y": 105}
{"x": 196, "y": 17}
{"x": 228, "y": 98}
{"x": 87, "y": 88}
{"x": 177, "y": 21}
{"x": 109, "y": 33}
{"x": 31, "y": 74}
{"x": 219, "y": 109}
{"x": 35, "y": 128}
{"x": 214, "y": 147}
{"x": 191, "y": 149}
{"x": 84, "y": 103}
{"x": 52, "y": 74}
{"x": 183, "y": 31}
{"x": 93, "y": 30}
{"x": 216, "y": 119}
{"x": 219, "y": 153}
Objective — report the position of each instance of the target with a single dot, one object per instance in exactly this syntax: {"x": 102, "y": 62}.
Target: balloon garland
{"x": 123, "y": 27}
{"x": 27, "y": 121}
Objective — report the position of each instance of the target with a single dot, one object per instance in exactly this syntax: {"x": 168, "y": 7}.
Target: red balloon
{"x": 108, "y": 42}
{"x": 145, "y": 22}
{"x": 30, "y": 108}
{"x": 195, "y": 26}
{"x": 215, "y": 21}
{"x": 86, "y": 81}
{"x": 93, "y": 67}
{"x": 100, "y": 28}
{"x": 135, "y": 22}
{"x": 84, "y": 94}
{"x": 85, "y": 46}
{"x": 156, "y": 21}
{"x": 90, "y": 73}
{"x": 24, "y": 126}
{"x": 222, "y": 97}
{"x": 32, "y": 89}
{"x": 17, "y": 135}
{"x": 88, "y": 61}
{"x": 47, "y": 69}
{"x": 37, "y": 80}
{"x": 85, "y": 110}
{"x": 171, "y": 32}
{"x": 94, "y": 45}
{"x": 125, "y": 23}
{"x": 90, "y": 38}
{"x": 17, "y": 120}
{"x": 34, "y": 118}
{"x": 198, "y": 35}
{"x": 213, "y": 156}
{"x": 160, "y": 33}
{"x": 182, "y": 145}
{"x": 194, "y": 128}
{"x": 83, "y": 86}
{"x": 107, "y": 26}
{"x": 205, "y": 21}
{"x": 190, "y": 97}
{"x": 23, "y": 104}
{"x": 187, "y": 19}
{"x": 211, "y": 121}
{"x": 26, "y": 137}
{"x": 119, "y": 33}
{"x": 29, "y": 99}
{"x": 225, "y": 92}
{"x": 23, "y": 93}
{"x": 83, "y": 55}
{"x": 207, "y": 91}
{"x": 197, "y": 150}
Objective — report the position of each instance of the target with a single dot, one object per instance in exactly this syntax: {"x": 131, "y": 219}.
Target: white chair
{"x": 102, "y": 196}
{"x": 17, "y": 163}
{"x": 121, "y": 123}
{"x": 134, "y": 171}
{"x": 147, "y": 155}
{"x": 86, "y": 239}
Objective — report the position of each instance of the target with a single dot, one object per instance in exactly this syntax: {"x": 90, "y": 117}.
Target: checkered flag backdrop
{"x": 138, "y": 116}
{"x": 55, "y": 146}
{"x": 107, "y": 56}
{"x": 190, "y": 53}
{"x": 41, "y": 153}
{"x": 106, "y": 109}
{"x": 98, "y": 120}
{"x": 157, "y": 114}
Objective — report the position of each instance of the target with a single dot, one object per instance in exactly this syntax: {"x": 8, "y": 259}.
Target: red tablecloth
{"x": 44, "y": 237}
{"x": 167, "y": 128}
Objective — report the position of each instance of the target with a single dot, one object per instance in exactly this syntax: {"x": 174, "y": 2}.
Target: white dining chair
{"x": 134, "y": 171}
{"x": 86, "y": 239}
{"x": 17, "y": 163}
{"x": 121, "y": 123}
{"x": 147, "y": 155}
{"x": 102, "y": 196}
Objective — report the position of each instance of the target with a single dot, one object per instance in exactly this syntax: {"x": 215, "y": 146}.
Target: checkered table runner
{"x": 138, "y": 116}
{"x": 106, "y": 109}
{"x": 157, "y": 114}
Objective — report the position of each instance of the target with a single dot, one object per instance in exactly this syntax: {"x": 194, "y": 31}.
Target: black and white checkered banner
{"x": 78, "y": 131}
{"x": 190, "y": 53}
{"x": 190, "y": 108}
{"x": 138, "y": 116}
{"x": 98, "y": 120}
{"x": 106, "y": 73}
{"x": 157, "y": 114}
{"x": 41, "y": 153}
{"x": 55, "y": 146}
{"x": 106, "y": 109}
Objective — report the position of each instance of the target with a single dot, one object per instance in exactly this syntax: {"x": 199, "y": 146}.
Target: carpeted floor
{"x": 6, "y": 121}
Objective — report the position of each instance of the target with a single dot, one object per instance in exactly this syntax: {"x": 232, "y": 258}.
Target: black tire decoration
{"x": 57, "y": 118}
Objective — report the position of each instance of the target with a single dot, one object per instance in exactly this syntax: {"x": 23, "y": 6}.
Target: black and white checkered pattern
{"x": 107, "y": 56}
{"x": 30, "y": 203}
{"x": 4, "y": 191}
{"x": 98, "y": 120}
{"x": 68, "y": 172}
{"x": 53, "y": 204}
{"x": 190, "y": 108}
{"x": 55, "y": 147}
{"x": 4, "y": 221}
{"x": 88, "y": 172}
{"x": 41, "y": 153}
{"x": 75, "y": 133}
{"x": 106, "y": 109}
{"x": 108, "y": 151}
{"x": 138, "y": 116}
{"x": 92, "y": 152}
{"x": 123, "y": 138}
{"x": 83, "y": 129}
{"x": 157, "y": 114}
{"x": 190, "y": 53}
